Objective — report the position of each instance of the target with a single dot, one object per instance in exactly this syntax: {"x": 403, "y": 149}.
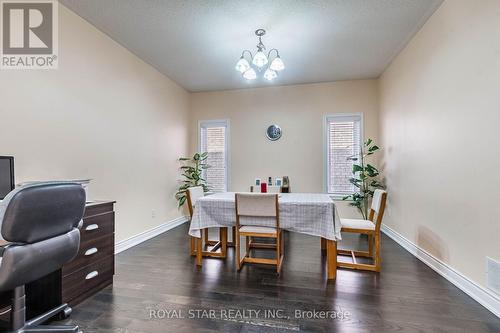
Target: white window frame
{"x": 219, "y": 123}
{"x": 326, "y": 137}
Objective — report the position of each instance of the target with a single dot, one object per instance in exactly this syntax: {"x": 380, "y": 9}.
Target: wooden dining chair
{"x": 193, "y": 194}
{"x": 258, "y": 206}
{"x": 371, "y": 228}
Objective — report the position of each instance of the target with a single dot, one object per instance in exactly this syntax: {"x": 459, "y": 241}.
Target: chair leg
{"x": 46, "y": 316}
{"x": 18, "y": 317}
{"x": 237, "y": 245}
{"x": 374, "y": 240}
{"x": 193, "y": 245}
{"x": 282, "y": 244}
{"x": 370, "y": 246}
{"x": 282, "y": 247}
{"x": 52, "y": 329}
{"x": 278, "y": 252}
{"x": 223, "y": 240}
{"x": 233, "y": 237}
{"x": 18, "y": 311}
{"x": 377, "y": 252}
{"x": 205, "y": 235}
{"x": 280, "y": 263}
{"x": 199, "y": 250}
{"x": 248, "y": 239}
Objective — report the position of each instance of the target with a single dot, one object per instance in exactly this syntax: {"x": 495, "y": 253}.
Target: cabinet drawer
{"x": 97, "y": 226}
{"x": 88, "y": 278}
{"x": 90, "y": 252}
{"x": 97, "y": 209}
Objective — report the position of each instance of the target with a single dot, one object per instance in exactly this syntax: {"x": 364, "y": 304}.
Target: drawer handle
{"x": 92, "y": 227}
{"x": 91, "y": 275}
{"x": 91, "y": 251}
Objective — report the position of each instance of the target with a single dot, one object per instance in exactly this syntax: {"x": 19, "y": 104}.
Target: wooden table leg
{"x": 199, "y": 250}
{"x": 223, "y": 240}
{"x": 331, "y": 258}
{"x": 193, "y": 245}
{"x": 233, "y": 237}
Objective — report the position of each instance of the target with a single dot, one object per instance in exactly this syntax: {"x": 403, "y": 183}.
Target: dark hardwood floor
{"x": 160, "y": 275}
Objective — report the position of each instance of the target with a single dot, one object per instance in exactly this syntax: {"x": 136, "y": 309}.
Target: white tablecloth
{"x": 308, "y": 213}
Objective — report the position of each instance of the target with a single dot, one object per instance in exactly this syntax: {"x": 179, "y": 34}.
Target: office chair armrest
{"x": 3, "y": 246}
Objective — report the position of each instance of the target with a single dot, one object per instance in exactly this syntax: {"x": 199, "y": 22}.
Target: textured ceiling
{"x": 197, "y": 43}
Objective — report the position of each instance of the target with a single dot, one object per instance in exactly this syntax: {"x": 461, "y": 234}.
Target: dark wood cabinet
{"x": 90, "y": 271}
{"x": 93, "y": 267}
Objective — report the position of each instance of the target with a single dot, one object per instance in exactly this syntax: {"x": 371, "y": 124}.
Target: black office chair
{"x": 41, "y": 223}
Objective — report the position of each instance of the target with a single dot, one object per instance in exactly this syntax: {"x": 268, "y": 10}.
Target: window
{"x": 343, "y": 139}
{"x": 214, "y": 139}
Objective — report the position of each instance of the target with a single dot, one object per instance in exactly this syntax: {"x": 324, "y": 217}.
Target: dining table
{"x": 307, "y": 213}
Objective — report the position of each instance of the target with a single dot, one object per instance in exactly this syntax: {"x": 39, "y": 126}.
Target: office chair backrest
{"x": 40, "y": 220}
{"x": 40, "y": 211}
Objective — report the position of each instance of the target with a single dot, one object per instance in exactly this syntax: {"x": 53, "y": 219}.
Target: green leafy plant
{"x": 365, "y": 178}
{"x": 192, "y": 170}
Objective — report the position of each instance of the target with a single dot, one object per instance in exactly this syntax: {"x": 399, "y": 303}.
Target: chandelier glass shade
{"x": 277, "y": 64}
{"x": 242, "y": 65}
{"x": 260, "y": 59}
{"x": 270, "y": 75}
{"x": 250, "y": 74}
{"x": 249, "y": 65}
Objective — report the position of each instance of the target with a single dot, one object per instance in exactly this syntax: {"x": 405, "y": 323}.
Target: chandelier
{"x": 260, "y": 61}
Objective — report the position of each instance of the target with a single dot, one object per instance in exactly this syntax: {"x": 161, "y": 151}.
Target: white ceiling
{"x": 197, "y": 43}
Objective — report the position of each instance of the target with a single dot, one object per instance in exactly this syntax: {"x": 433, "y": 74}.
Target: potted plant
{"x": 192, "y": 170}
{"x": 365, "y": 178}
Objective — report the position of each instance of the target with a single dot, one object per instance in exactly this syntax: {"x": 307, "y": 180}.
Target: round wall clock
{"x": 273, "y": 132}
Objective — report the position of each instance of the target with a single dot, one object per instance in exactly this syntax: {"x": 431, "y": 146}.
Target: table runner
{"x": 308, "y": 213}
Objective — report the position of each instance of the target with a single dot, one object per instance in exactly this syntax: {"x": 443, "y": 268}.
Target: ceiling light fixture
{"x": 259, "y": 61}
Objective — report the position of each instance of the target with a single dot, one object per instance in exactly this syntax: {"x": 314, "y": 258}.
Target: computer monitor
{"x": 6, "y": 175}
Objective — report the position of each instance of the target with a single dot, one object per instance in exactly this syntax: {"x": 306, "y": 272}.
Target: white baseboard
{"x": 483, "y": 296}
{"x": 148, "y": 234}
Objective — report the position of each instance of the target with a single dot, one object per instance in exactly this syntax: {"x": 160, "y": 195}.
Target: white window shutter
{"x": 213, "y": 141}
{"x": 343, "y": 141}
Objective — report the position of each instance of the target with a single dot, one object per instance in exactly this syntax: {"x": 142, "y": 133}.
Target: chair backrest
{"x": 193, "y": 194}
{"x": 378, "y": 207}
{"x": 39, "y": 211}
{"x": 40, "y": 220}
{"x": 257, "y": 205}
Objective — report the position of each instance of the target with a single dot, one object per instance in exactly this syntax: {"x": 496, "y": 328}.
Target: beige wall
{"x": 300, "y": 111}
{"x": 440, "y": 112}
{"x": 104, "y": 114}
